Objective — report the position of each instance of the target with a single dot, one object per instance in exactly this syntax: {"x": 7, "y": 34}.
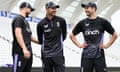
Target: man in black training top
{"x": 93, "y": 29}
{"x": 51, "y": 34}
{"x": 22, "y": 37}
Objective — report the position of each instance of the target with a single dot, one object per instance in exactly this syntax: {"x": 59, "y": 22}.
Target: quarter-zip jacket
{"x": 51, "y": 34}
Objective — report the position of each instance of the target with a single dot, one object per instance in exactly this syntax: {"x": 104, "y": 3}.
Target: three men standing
{"x": 51, "y": 32}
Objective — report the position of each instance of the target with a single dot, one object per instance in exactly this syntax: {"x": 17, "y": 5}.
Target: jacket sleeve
{"x": 40, "y": 33}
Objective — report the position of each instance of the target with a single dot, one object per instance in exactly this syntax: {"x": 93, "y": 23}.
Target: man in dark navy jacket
{"x": 51, "y": 33}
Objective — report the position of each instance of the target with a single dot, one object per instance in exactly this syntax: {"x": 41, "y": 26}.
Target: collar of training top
{"x": 49, "y": 19}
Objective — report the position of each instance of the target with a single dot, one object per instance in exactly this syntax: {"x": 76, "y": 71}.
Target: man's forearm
{"x": 74, "y": 40}
{"x": 112, "y": 40}
{"x": 33, "y": 39}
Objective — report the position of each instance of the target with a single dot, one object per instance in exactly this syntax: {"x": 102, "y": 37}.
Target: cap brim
{"x": 84, "y": 5}
{"x": 32, "y": 9}
{"x": 57, "y": 6}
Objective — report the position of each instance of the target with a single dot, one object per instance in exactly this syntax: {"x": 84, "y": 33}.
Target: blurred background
{"x": 72, "y": 12}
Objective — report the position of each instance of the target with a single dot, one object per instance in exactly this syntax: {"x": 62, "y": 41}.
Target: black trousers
{"x": 22, "y": 64}
{"x": 90, "y": 64}
{"x": 53, "y": 64}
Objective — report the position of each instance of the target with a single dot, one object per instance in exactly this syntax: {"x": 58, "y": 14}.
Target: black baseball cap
{"x": 90, "y": 4}
{"x": 26, "y": 4}
{"x": 51, "y": 4}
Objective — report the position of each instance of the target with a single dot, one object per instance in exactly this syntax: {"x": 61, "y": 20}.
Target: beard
{"x": 52, "y": 13}
{"x": 27, "y": 14}
{"x": 88, "y": 14}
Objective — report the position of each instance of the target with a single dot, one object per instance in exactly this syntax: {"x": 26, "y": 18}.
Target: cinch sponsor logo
{"x": 94, "y": 32}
